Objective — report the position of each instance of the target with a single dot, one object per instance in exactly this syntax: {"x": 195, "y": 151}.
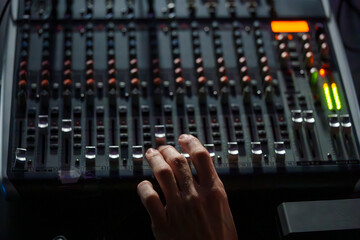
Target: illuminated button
{"x": 314, "y": 76}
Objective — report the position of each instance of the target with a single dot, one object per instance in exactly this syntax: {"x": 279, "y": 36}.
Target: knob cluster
{"x": 89, "y": 62}
{"x": 241, "y": 59}
{"x": 111, "y": 64}
{"x": 219, "y": 57}
{"x": 198, "y": 60}
{"x": 23, "y": 65}
{"x": 133, "y": 62}
{"x": 175, "y": 49}
{"x": 67, "y": 58}
{"x": 263, "y": 62}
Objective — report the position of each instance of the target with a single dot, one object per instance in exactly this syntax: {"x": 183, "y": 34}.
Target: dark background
{"x": 121, "y": 215}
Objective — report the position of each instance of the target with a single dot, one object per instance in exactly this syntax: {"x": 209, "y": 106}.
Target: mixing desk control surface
{"x": 97, "y": 83}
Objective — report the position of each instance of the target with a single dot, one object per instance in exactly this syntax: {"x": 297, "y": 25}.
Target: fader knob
{"x": 135, "y": 97}
{"x": 67, "y": 97}
{"x": 202, "y": 95}
{"x": 180, "y": 96}
{"x": 224, "y": 95}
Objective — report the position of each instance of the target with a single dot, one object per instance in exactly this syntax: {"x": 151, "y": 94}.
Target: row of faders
{"x": 92, "y": 95}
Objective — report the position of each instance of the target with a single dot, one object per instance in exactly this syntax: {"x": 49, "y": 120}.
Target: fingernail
{"x": 150, "y": 150}
{"x": 183, "y": 136}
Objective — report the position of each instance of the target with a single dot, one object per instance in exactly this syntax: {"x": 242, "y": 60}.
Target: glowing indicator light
{"x": 328, "y": 96}
{"x": 322, "y": 72}
{"x": 314, "y": 76}
{"x": 336, "y": 96}
{"x": 289, "y": 26}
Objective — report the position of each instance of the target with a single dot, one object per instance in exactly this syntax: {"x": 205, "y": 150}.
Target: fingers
{"x": 163, "y": 174}
{"x": 200, "y": 157}
{"x": 152, "y": 203}
{"x": 180, "y": 167}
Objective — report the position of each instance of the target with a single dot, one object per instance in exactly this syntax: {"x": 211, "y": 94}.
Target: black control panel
{"x": 97, "y": 83}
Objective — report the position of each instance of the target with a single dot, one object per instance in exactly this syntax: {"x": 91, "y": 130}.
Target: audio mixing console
{"x": 90, "y": 85}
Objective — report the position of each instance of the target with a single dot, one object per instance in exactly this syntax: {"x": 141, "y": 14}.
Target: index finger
{"x": 200, "y": 157}
{"x": 163, "y": 174}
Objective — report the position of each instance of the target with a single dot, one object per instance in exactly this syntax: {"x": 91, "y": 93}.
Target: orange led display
{"x": 322, "y": 72}
{"x": 289, "y": 26}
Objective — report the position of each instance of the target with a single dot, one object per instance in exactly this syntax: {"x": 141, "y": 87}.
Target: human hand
{"x": 195, "y": 208}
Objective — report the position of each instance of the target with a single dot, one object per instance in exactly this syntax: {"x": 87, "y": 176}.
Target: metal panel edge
{"x": 345, "y": 72}
{"x": 5, "y": 107}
